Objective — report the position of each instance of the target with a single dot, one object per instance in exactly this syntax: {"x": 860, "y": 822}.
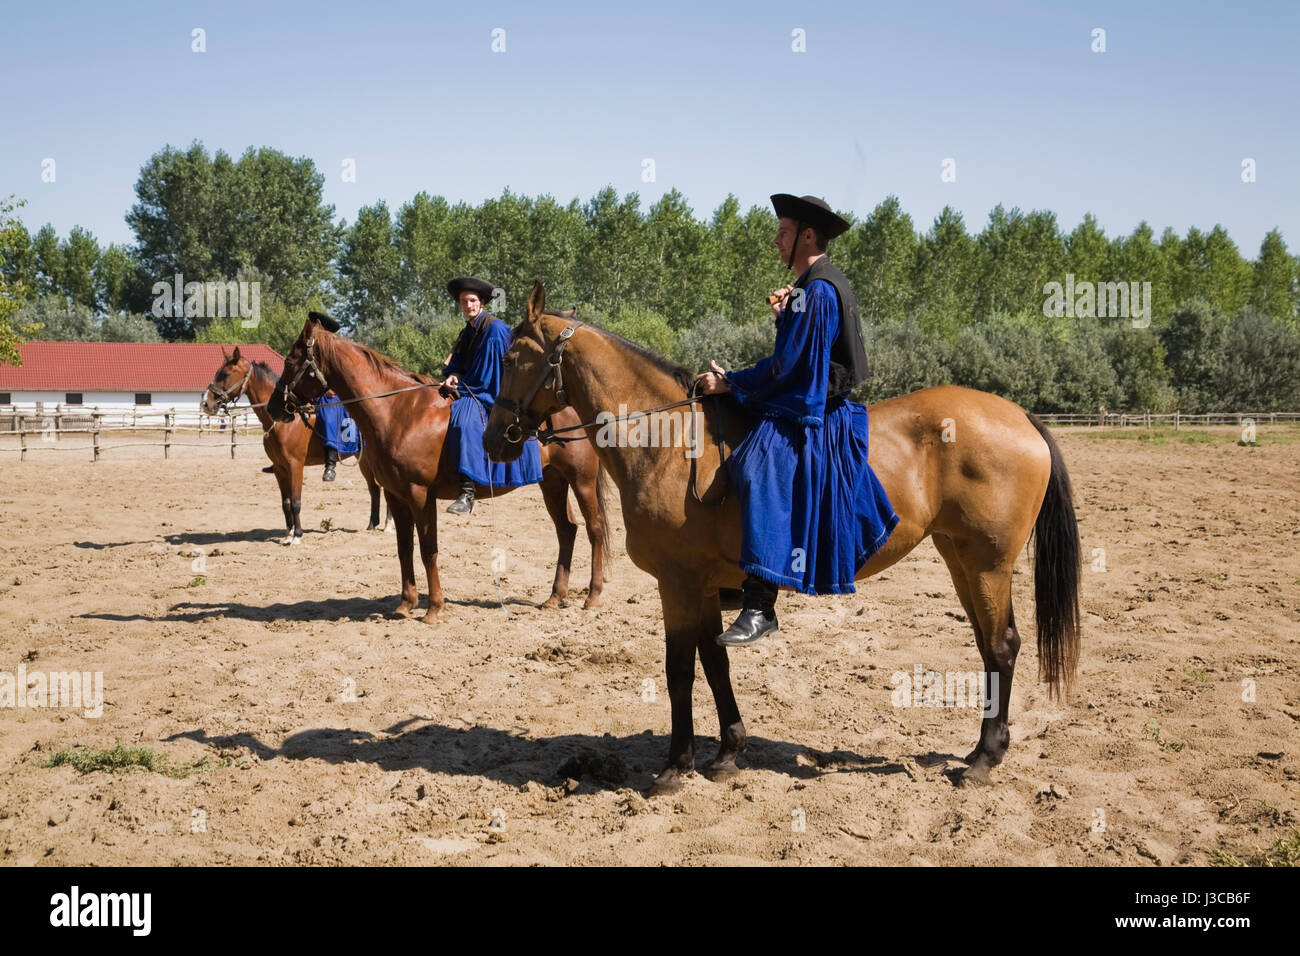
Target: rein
{"x": 524, "y": 425}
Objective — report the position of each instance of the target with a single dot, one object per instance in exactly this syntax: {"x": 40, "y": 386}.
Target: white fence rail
{"x": 1168, "y": 419}
{"x": 45, "y": 429}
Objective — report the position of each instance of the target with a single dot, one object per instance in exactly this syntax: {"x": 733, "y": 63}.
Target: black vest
{"x": 848, "y": 356}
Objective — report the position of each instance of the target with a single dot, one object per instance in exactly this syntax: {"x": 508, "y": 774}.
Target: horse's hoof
{"x": 669, "y": 781}
{"x": 402, "y": 610}
{"x": 297, "y": 540}
{"x": 723, "y": 768}
{"x": 430, "y": 618}
{"x": 550, "y": 604}
{"x": 593, "y": 601}
{"x": 974, "y": 776}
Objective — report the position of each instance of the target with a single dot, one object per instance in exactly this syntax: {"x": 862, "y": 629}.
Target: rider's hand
{"x": 713, "y": 382}
{"x": 451, "y": 381}
{"x": 778, "y": 299}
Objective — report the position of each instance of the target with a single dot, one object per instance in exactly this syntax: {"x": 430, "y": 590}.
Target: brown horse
{"x": 407, "y": 430}
{"x": 972, "y": 471}
{"x": 290, "y": 445}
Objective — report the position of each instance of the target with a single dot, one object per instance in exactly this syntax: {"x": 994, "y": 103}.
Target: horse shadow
{"x": 595, "y": 763}
{"x": 209, "y": 537}
{"x": 325, "y": 609}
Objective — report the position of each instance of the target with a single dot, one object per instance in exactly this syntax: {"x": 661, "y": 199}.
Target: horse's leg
{"x": 295, "y": 478}
{"x": 286, "y": 498}
{"x": 427, "y": 526}
{"x": 718, "y": 673}
{"x": 991, "y": 596}
{"x": 373, "y": 487}
{"x": 405, "y": 524}
{"x": 682, "y": 607}
{"x": 555, "y": 492}
{"x": 948, "y": 551}
{"x": 593, "y": 515}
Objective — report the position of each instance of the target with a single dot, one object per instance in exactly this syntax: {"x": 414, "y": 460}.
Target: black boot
{"x": 465, "y": 503}
{"x": 269, "y": 470}
{"x": 331, "y": 459}
{"x": 758, "y": 616}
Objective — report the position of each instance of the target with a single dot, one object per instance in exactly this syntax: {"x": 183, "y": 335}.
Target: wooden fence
{"x": 44, "y": 430}
{"x": 1168, "y": 419}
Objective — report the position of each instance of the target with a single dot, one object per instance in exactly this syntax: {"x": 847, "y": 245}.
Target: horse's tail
{"x": 1056, "y": 575}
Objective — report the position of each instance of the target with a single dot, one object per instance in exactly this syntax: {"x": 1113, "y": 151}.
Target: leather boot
{"x": 757, "y": 617}
{"x": 465, "y": 503}
{"x": 331, "y": 459}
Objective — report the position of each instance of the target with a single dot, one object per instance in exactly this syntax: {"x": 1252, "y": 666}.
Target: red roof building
{"x": 122, "y": 366}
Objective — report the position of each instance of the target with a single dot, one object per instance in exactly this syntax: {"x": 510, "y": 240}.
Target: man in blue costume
{"x": 813, "y": 509}
{"x": 336, "y": 432}
{"x": 474, "y": 369}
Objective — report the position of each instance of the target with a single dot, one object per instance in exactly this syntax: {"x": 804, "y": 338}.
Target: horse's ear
{"x": 233, "y": 356}
{"x": 224, "y": 354}
{"x": 536, "y": 301}
{"x": 325, "y": 322}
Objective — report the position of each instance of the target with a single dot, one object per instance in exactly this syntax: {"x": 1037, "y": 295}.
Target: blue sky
{"x": 1155, "y": 128}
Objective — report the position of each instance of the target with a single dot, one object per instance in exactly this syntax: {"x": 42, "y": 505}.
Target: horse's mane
{"x": 383, "y": 364}
{"x": 678, "y": 373}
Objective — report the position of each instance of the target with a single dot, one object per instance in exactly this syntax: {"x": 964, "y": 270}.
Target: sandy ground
{"x": 506, "y": 734}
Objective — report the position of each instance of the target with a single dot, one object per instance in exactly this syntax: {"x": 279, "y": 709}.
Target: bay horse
{"x": 973, "y": 472}
{"x": 290, "y": 445}
{"x": 407, "y": 431}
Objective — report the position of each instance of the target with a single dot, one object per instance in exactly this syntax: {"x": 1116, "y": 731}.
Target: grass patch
{"x": 1285, "y": 851}
{"x": 197, "y": 581}
{"x": 121, "y": 759}
{"x": 1152, "y": 730}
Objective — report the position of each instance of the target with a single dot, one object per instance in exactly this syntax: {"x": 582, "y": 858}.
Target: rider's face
{"x": 785, "y": 237}
{"x": 470, "y": 304}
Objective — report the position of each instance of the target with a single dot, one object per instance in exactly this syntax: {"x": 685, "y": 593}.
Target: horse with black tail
{"x": 973, "y": 472}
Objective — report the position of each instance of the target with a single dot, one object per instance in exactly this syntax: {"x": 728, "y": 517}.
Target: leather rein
{"x": 525, "y": 426}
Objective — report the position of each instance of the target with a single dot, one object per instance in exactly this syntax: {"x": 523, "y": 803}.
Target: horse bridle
{"x": 225, "y": 398}
{"x": 524, "y": 424}
{"x": 308, "y": 365}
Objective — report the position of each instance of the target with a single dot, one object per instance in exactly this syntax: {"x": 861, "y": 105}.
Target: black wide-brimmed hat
{"x": 479, "y": 287}
{"x": 810, "y": 211}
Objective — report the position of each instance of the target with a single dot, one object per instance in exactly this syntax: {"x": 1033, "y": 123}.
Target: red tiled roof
{"x": 123, "y": 366}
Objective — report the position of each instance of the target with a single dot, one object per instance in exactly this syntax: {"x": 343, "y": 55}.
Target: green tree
{"x": 369, "y": 266}
{"x": 14, "y": 244}
{"x": 1087, "y": 253}
{"x": 1275, "y": 284}
{"x": 614, "y": 265}
{"x": 943, "y": 282}
{"x": 1018, "y": 254}
{"x": 879, "y": 258}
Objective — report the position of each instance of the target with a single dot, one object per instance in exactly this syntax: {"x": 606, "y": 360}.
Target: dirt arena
{"x": 300, "y": 725}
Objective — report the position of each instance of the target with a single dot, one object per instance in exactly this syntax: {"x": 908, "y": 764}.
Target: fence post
{"x": 167, "y": 433}
{"x": 233, "y": 431}
{"x": 22, "y": 440}
{"x": 58, "y": 420}
{"x": 94, "y": 432}
{"x": 1176, "y": 421}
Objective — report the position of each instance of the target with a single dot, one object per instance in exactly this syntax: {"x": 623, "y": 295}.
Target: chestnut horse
{"x": 972, "y": 471}
{"x": 406, "y": 429}
{"x": 290, "y": 445}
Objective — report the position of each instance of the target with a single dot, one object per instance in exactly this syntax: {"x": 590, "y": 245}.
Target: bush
{"x": 731, "y": 345}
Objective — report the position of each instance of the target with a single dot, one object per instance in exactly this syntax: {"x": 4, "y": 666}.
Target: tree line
{"x": 943, "y": 304}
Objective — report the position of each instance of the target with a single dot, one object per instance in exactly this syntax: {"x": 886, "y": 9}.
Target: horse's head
{"x": 531, "y": 381}
{"x": 302, "y": 381}
{"x": 228, "y": 384}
